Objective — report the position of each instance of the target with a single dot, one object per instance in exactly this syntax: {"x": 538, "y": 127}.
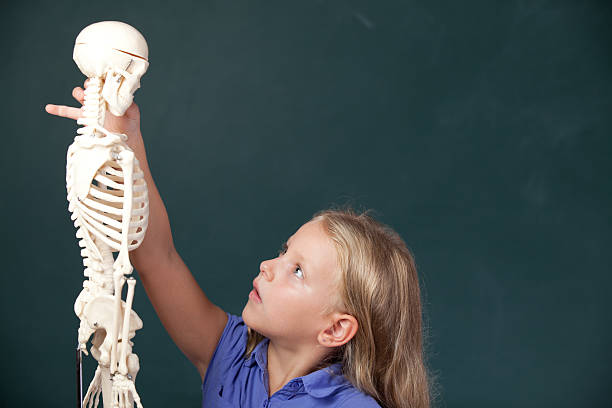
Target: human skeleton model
{"x": 108, "y": 200}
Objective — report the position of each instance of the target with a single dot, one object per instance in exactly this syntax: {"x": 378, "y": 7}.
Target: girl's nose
{"x": 266, "y": 270}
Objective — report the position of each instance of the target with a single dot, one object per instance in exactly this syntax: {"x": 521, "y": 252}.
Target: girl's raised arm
{"x": 192, "y": 320}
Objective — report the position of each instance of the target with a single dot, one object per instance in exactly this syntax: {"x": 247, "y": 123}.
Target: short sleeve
{"x": 230, "y": 349}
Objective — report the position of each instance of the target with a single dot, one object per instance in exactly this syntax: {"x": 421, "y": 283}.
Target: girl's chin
{"x": 247, "y": 315}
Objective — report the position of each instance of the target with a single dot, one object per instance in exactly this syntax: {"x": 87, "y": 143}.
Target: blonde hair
{"x": 379, "y": 286}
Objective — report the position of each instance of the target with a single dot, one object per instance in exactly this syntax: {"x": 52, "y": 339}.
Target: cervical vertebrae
{"x": 108, "y": 199}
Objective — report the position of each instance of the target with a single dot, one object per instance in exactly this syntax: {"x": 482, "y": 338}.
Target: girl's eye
{"x": 298, "y": 272}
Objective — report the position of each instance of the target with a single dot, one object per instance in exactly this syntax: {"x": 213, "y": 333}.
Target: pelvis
{"x": 97, "y": 319}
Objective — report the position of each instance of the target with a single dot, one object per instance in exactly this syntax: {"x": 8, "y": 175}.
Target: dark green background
{"x": 479, "y": 130}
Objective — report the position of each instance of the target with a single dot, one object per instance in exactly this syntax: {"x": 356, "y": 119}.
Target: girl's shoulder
{"x": 233, "y": 341}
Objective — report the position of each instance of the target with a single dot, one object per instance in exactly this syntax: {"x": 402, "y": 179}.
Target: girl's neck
{"x": 287, "y": 363}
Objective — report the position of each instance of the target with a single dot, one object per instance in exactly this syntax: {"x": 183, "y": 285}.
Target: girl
{"x": 333, "y": 321}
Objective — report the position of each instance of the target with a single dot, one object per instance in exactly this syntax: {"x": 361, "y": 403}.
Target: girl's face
{"x": 293, "y": 291}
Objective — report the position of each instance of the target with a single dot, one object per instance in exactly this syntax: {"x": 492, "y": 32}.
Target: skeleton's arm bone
{"x": 123, "y": 369}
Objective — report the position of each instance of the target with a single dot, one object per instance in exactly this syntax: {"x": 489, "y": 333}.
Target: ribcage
{"x": 101, "y": 211}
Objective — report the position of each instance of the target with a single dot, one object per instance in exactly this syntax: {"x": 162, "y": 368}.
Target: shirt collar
{"x": 325, "y": 381}
{"x": 259, "y": 355}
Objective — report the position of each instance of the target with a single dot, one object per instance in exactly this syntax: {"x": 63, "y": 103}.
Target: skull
{"x": 118, "y": 54}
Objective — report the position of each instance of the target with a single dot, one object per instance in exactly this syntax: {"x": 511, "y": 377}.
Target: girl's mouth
{"x": 254, "y": 296}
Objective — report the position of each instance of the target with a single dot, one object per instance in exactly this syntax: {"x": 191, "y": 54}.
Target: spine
{"x": 94, "y": 108}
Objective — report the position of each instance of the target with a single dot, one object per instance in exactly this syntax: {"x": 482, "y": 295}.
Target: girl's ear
{"x": 342, "y": 328}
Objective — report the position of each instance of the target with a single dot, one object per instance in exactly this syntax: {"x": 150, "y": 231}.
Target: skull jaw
{"x": 118, "y": 92}
{"x": 117, "y": 103}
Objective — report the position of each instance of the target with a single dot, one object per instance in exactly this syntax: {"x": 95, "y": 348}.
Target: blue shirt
{"x": 233, "y": 381}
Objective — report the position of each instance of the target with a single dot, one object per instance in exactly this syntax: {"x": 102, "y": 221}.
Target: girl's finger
{"x": 78, "y": 94}
{"x": 64, "y": 111}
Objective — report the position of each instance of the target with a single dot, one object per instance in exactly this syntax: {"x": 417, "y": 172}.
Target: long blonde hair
{"x": 379, "y": 286}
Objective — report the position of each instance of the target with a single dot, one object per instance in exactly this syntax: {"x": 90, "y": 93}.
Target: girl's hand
{"x": 128, "y": 124}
